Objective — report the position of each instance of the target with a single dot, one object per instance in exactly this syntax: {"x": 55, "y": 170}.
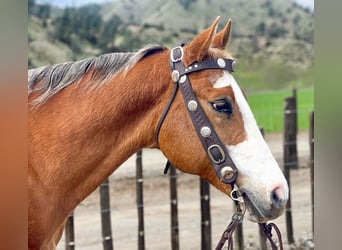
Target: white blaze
{"x": 252, "y": 157}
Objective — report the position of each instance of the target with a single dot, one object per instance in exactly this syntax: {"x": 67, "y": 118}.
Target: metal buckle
{"x": 212, "y": 158}
{"x": 174, "y": 51}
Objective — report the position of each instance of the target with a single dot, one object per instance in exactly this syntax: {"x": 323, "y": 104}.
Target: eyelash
{"x": 222, "y": 106}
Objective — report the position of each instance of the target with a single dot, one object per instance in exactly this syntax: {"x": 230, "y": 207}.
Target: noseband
{"x": 216, "y": 151}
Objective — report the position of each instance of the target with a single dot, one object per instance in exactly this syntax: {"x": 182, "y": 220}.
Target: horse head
{"x": 259, "y": 177}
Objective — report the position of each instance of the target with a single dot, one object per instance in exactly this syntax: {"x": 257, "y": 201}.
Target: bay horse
{"x": 87, "y": 117}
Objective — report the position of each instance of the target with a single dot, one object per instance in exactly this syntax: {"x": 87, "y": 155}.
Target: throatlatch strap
{"x": 162, "y": 118}
{"x": 167, "y": 167}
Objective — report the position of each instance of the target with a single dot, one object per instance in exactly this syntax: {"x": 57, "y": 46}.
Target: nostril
{"x": 277, "y": 197}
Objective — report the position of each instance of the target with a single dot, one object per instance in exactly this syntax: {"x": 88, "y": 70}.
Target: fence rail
{"x": 290, "y": 164}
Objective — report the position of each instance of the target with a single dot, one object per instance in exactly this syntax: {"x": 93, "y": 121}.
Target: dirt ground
{"x": 157, "y": 207}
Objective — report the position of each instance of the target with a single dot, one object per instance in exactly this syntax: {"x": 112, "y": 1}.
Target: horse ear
{"x": 198, "y": 48}
{"x": 222, "y": 38}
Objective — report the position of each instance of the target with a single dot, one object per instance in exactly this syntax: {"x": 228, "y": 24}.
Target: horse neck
{"x": 93, "y": 132}
{"x": 139, "y": 100}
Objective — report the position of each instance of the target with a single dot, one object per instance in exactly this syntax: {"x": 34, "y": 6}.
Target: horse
{"x": 87, "y": 117}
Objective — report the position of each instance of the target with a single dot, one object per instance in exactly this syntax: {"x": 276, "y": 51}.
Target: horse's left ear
{"x": 222, "y": 38}
{"x": 198, "y": 48}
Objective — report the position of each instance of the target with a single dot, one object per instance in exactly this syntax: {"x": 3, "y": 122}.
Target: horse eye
{"x": 222, "y": 106}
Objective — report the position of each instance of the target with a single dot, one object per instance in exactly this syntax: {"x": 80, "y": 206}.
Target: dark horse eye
{"x": 222, "y": 106}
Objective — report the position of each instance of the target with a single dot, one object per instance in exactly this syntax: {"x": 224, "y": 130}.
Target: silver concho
{"x": 192, "y": 105}
{"x": 182, "y": 79}
{"x": 227, "y": 173}
{"x": 205, "y": 131}
{"x": 175, "y": 75}
{"x": 221, "y": 63}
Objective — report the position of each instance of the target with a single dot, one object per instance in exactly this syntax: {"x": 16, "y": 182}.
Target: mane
{"x": 54, "y": 78}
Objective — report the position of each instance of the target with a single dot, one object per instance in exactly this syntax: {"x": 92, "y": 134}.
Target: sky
{"x": 306, "y": 3}
{"x": 63, "y": 3}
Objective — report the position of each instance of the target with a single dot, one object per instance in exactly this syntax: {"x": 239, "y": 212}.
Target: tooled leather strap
{"x": 214, "y": 148}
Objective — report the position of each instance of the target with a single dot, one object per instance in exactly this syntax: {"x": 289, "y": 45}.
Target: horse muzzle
{"x": 262, "y": 208}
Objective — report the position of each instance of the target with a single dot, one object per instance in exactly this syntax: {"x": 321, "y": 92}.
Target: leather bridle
{"x": 216, "y": 151}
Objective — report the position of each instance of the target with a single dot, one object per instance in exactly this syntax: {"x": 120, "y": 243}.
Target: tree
{"x": 88, "y": 22}
{"x": 79, "y": 24}
{"x": 109, "y": 32}
{"x": 44, "y": 12}
{"x": 276, "y": 30}
{"x": 260, "y": 29}
{"x": 31, "y": 4}
{"x": 186, "y": 3}
{"x": 65, "y": 25}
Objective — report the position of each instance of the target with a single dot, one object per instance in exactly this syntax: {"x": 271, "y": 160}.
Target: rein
{"x": 237, "y": 218}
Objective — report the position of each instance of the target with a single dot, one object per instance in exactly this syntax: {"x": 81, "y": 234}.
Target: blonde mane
{"x": 54, "y": 78}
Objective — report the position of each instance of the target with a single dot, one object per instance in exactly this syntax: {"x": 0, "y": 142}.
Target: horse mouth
{"x": 258, "y": 211}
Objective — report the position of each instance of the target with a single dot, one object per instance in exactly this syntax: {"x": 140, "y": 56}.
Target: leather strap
{"x": 237, "y": 218}
{"x": 220, "y": 63}
{"x": 166, "y": 109}
{"x": 267, "y": 229}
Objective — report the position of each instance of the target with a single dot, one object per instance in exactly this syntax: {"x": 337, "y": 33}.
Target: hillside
{"x": 272, "y": 40}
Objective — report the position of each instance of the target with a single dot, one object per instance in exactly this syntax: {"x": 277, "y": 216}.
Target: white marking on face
{"x": 252, "y": 157}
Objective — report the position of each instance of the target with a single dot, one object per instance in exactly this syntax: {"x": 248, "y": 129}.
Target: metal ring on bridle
{"x": 172, "y": 54}
{"x": 236, "y": 195}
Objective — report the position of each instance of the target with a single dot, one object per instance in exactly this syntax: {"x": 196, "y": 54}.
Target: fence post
{"x": 140, "y": 200}
{"x": 238, "y": 237}
{"x": 105, "y": 216}
{"x": 262, "y": 237}
{"x": 174, "y": 209}
{"x": 290, "y": 154}
{"x": 205, "y": 215}
{"x": 70, "y": 233}
{"x": 311, "y": 164}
